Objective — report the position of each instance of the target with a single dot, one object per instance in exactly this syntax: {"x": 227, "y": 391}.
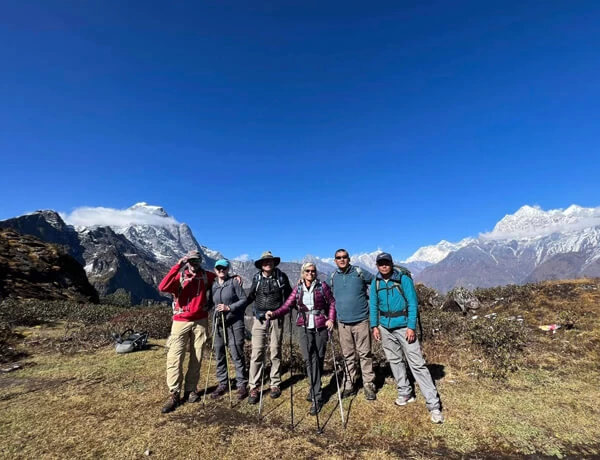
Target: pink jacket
{"x": 323, "y": 300}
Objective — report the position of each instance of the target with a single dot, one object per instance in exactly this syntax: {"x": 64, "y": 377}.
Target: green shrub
{"x": 154, "y": 320}
{"x": 79, "y": 338}
{"x": 446, "y": 325}
{"x": 119, "y": 298}
{"x": 502, "y": 340}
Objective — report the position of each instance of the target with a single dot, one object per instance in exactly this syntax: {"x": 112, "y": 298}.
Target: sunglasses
{"x": 221, "y": 268}
{"x": 310, "y": 271}
{"x": 341, "y": 257}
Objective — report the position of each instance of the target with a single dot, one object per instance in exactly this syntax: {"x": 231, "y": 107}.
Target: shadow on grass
{"x": 382, "y": 372}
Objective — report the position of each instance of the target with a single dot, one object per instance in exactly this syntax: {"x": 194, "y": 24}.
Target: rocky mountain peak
{"x": 33, "y": 269}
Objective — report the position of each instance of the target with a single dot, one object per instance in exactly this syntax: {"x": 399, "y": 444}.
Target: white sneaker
{"x": 436, "y": 416}
{"x": 404, "y": 400}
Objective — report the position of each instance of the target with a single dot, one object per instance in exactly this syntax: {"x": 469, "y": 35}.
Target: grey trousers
{"x": 395, "y": 347}
{"x": 355, "y": 339}
{"x": 235, "y": 341}
{"x": 313, "y": 343}
{"x": 260, "y": 335}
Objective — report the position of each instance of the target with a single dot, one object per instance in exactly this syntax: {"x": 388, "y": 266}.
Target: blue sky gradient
{"x": 304, "y": 127}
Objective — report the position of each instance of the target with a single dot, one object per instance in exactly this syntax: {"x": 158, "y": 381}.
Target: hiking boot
{"x": 219, "y": 391}
{"x": 275, "y": 392}
{"x": 404, "y": 400}
{"x": 254, "y": 396}
{"x": 348, "y": 392}
{"x": 308, "y": 397}
{"x": 193, "y": 397}
{"x": 436, "y": 416}
{"x": 369, "y": 390}
{"x": 315, "y": 408}
{"x": 171, "y": 403}
{"x": 242, "y": 393}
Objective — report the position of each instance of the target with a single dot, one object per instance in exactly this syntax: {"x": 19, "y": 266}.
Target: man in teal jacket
{"x": 393, "y": 308}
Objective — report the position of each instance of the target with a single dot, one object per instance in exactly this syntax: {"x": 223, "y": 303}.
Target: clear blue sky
{"x": 303, "y": 127}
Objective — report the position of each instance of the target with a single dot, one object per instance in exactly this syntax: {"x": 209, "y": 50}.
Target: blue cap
{"x": 222, "y": 263}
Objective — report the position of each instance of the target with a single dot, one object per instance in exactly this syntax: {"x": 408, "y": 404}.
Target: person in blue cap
{"x": 229, "y": 299}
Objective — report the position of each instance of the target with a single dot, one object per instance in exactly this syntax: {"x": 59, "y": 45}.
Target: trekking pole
{"x": 291, "y": 376}
{"x": 262, "y": 370}
{"x": 226, "y": 359}
{"x": 310, "y": 373}
{"x": 214, "y": 333}
{"x": 337, "y": 380}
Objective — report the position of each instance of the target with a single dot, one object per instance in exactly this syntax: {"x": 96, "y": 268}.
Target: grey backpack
{"x": 130, "y": 341}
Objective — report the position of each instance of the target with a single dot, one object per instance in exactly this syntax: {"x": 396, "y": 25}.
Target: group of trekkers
{"x": 382, "y": 307}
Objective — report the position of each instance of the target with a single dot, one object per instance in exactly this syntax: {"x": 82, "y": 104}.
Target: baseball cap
{"x": 384, "y": 256}
{"x": 222, "y": 263}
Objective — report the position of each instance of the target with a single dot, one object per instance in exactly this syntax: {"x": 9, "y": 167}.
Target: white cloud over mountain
{"x": 100, "y": 216}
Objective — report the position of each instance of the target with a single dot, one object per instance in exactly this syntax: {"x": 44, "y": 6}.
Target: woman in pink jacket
{"x": 316, "y": 316}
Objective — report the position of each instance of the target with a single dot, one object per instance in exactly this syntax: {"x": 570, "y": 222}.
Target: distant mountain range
{"x": 135, "y": 253}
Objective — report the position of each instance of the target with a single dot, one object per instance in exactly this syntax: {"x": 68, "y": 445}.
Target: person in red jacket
{"x": 189, "y": 283}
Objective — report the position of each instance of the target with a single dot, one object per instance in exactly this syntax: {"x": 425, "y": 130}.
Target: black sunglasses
{"x": 220, "y": 268}
{"x": 341, "y": 257}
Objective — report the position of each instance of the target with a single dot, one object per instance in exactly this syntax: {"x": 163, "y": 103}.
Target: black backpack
{"x": 129, "y": 341}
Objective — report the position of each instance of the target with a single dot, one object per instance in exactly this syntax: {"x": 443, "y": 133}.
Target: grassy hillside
{"x": 508, "y": 388}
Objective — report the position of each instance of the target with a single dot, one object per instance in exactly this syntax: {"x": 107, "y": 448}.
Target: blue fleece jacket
{"x": 388, "y": 299}
{"x": 350, "y": 292}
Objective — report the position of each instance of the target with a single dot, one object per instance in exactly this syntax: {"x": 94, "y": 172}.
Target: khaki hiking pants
{"x": 355, "y": 341}
{"x": 259, "y": 342}
{"x": 182, "y": 333}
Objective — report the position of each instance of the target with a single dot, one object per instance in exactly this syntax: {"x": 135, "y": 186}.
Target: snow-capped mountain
{"x": 133, "y": 248}
{"x": 530, "y": 245}
{"x": 438, "y": 252}
{"x": 367, "y": 260}
{"x": 130, "y": 249}
{"x": 167, "y": 242}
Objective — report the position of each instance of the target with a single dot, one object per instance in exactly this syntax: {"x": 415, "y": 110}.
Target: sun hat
{"x": 267, "y": 255}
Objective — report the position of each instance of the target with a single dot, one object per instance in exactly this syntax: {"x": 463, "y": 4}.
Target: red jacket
{"x": 190, "y": 292}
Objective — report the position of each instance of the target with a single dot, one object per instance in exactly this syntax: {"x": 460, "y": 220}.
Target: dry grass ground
{"x": 104, "y": 405}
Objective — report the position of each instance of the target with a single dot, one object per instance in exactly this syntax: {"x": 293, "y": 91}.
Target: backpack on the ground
{"x": 129, "y": 341}
{"x": 398, "y": 285}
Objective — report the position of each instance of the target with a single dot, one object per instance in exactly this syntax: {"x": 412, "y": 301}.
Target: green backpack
{"x": 398, "y": 285}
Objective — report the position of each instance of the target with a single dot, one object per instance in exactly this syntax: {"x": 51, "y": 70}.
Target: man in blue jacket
{"x": 393, "y": 309}
{"x": 350, "y": 285}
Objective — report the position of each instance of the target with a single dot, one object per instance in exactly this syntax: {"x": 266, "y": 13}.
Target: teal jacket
{"x": 350, "y": 291}
{"x": 387, "y": 305}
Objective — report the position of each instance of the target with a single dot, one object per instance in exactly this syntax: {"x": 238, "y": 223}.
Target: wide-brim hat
{"x": 267, "y": 255}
